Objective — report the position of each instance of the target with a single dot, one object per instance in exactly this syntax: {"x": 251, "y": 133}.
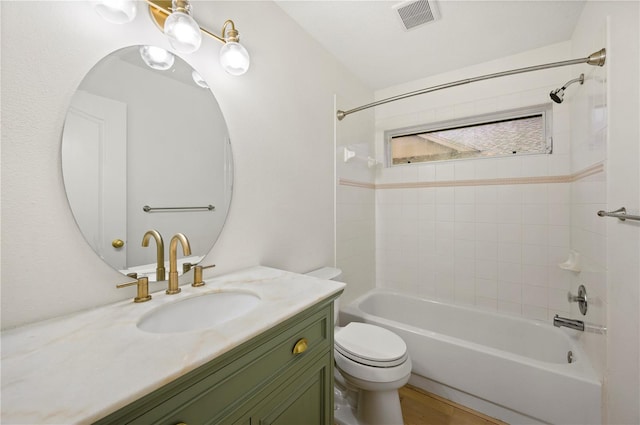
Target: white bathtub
{"x": 516, "y": 365}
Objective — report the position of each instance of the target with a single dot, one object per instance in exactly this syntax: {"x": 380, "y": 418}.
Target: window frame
{"x": 543, "y": 110}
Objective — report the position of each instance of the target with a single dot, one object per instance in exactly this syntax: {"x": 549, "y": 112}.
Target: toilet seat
{"x": 371, "y": 345}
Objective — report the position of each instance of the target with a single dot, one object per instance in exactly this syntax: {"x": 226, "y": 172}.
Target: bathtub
{"x": 507, "y": 367}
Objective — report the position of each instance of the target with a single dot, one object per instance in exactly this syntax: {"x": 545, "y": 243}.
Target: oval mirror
{"x": 146, "y": 149}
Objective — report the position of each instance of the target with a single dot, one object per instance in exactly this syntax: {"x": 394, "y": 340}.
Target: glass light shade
{"x": 234, "y": 58}
{"x": 183, "y": 32}
{"x": 117, "y": 11}
{"x": 156, "y": 57}
{"x": 197, "y": 78}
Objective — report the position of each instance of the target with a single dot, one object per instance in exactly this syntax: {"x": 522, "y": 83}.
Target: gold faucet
{"x": 173, "y": 260}
{"x": 160, "y": 270}
{"x": 143, "y": 289}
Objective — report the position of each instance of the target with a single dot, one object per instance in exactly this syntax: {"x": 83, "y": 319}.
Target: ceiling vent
{"x": 415, "y": 13}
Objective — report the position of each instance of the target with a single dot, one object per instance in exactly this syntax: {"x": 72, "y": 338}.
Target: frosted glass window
{"x": 492, "y": 136}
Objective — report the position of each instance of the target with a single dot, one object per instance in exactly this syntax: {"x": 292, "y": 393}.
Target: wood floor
{"x": 422, "y": 408}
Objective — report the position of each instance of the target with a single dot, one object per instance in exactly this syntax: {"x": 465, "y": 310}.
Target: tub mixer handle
{"x": 581, "y": 299}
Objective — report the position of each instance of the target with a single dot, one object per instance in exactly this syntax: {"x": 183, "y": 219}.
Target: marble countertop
{"x": 80, "y": 368}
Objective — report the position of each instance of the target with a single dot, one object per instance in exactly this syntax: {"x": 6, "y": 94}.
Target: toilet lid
{"x": 370, "y": 345}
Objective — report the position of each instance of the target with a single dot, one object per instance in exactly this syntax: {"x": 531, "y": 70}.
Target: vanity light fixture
{"x": 157, "y": 57}
{"x": 173, "y": 17}
{"x": 117, "y": 11}
{"x": 197, "y": 78}
{"x": 181, "y": 29}
{"x": 234, "y": 58}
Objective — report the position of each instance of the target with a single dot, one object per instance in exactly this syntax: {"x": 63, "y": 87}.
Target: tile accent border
{"x": 589, "y": 171}
{"x": 354, "y": 183}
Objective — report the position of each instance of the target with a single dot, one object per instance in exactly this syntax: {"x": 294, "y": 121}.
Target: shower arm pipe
{"x": 595, "y": 59}
{"x": 580, "y": 80}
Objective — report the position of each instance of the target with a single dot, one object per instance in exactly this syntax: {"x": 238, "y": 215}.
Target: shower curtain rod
{"x": 595, "y": 59}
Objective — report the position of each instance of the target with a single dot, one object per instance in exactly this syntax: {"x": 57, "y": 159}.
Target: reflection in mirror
{"x": 134, "y": 137}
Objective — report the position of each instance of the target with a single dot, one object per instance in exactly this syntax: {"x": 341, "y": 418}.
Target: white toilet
{"x": 371, "y": 364}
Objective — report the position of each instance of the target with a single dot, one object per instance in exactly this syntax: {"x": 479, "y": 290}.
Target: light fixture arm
{"x": 231, "y": 34}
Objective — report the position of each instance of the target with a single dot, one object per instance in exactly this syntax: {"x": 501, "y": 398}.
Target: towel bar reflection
{"x": 620, "y": 213}
{"x": 149, "y": 209}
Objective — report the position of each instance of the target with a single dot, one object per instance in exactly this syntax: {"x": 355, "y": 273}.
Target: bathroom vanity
{"x": 273, "y": 364}
{"x": 283, "y": 374}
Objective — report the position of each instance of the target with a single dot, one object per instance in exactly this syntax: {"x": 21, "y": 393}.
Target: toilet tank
{"x": 329, "y": 273}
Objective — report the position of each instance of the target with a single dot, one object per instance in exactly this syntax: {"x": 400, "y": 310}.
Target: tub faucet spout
{"x": 568, "y": 323}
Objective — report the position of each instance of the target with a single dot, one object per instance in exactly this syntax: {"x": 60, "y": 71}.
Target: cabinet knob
{"x": 301, "y": 346}
{"x": 117, "y": 243}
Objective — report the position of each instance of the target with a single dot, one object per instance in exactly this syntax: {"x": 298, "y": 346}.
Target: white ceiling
{"x": 367, "y": 36}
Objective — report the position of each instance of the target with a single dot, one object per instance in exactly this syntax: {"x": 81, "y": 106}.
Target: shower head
{"x": 557, "y": 95}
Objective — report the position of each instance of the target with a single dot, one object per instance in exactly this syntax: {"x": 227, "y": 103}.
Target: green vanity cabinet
{"x": 259, "y": 382}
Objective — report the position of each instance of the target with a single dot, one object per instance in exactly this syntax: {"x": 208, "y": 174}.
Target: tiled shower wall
{"x": 493, "y": 246}
{"x": 489, "y": 232}
{"x": 589, "y": 139}
{"x": 355, "y": 203}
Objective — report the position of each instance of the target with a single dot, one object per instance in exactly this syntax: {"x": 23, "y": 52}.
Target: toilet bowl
{"x": 371, "y": 364}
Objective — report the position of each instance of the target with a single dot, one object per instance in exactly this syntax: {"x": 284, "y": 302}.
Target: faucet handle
{"x": 581, "y": 299}
{"x": 197, "y": 275}
{"x": 143, "y": 289}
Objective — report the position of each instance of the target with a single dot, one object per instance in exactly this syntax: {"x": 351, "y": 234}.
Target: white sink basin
{"x": 201, "y": 312}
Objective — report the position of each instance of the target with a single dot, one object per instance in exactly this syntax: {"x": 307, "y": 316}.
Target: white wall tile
{"x": 508, "y": 307}
{"x": 535, "y": 213}
{"x": 510, "y": 252}
{"x": 465, "y": 170}
{"x": 488, "y": 304}
{"x": 465, "y": 195}
{"x": 465, "y": 250}
{"x": 535, "y": 255}
{"x": 427, "y": 173}
{"x": 487, "y": 269}
{"x": 486, "y": 194}
{"x": 465, "y": 231}
{"x": 486, "y": 231}
{"x": 535, "y": 275}
{"x": 486, "y": 213}
{"x": 535, "y": 194}
{"x": 426, "y": 195}
{"x": 486, "y": 250}
{"x": 535, "y": 296}
{"x": 445, "y": 172}
{"x": 465, "y": 213}
{"x": 510, "y": 272}
{"x": 509, "y": 194}
{"x": 535, "y": 234}
{"x": 510, "y": 233}
{"x": 445, "y": 212}
{"x": 445, "y": 195}
{"x": 509, "y": 213}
